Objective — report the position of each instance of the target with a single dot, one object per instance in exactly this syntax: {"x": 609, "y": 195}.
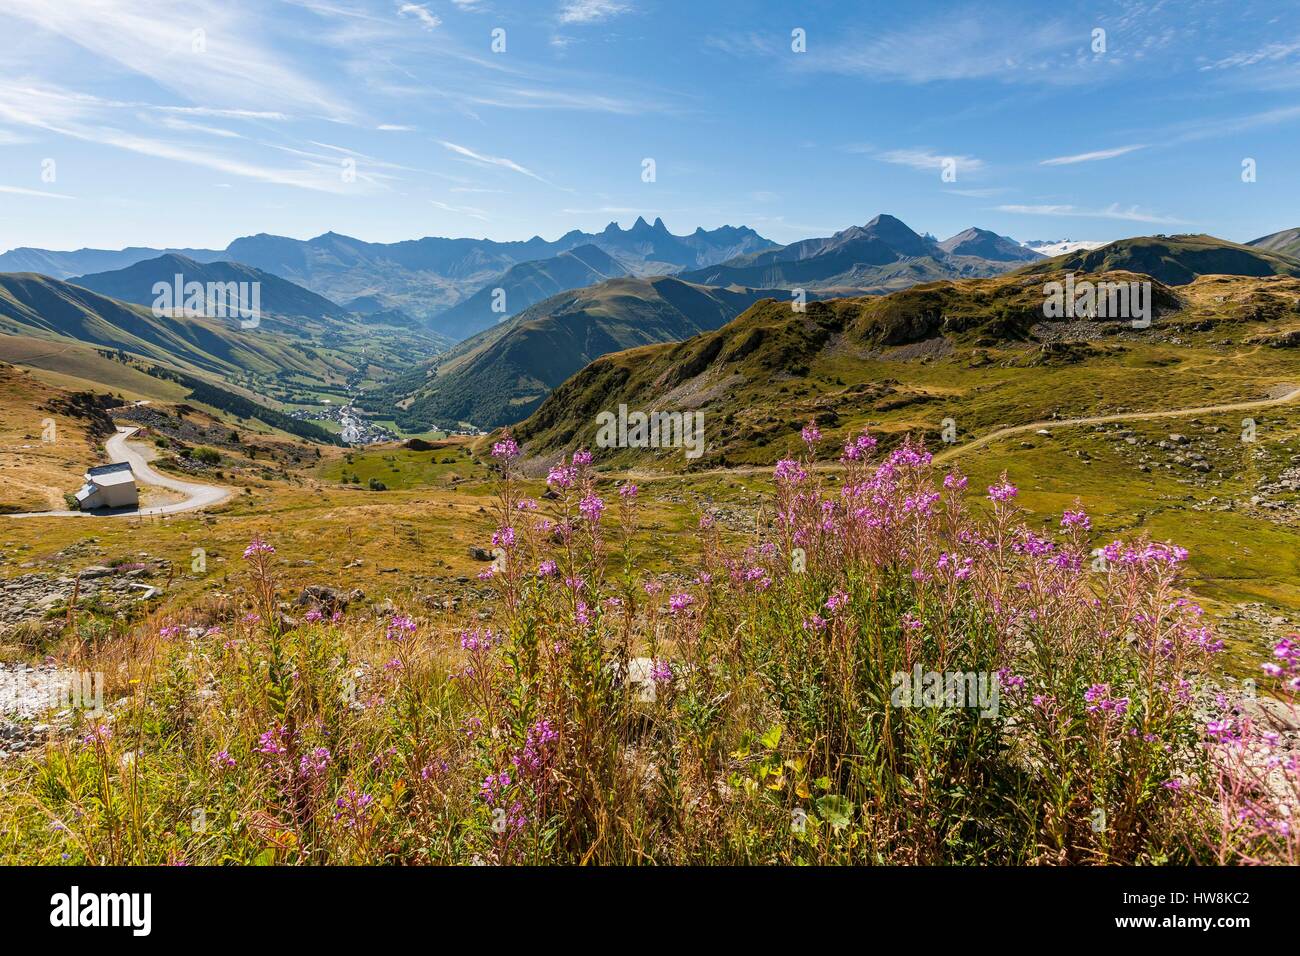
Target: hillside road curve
{"x": 196, "y": 495}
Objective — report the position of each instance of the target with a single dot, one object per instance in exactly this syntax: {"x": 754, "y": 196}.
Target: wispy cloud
{"x": 39, "y": 193}
{"x": 1268, "y": 53}
{"x": 592, "y": 11}
{"x": 927, "y": 159}
{"x": 91, "y": 119}
{"x": 1113, "y": 211}
{"x": 606, "y": 211}
{"x": 462, "y": 210}
{"x": 988, "y": 193}
{"x": 212, "y": 52}
{"x": 428, "y": 19}
{"x": 1227, "y": 126}
{"x": 957, "y": 46}
{"x": 216, "y": 113}
{"x": 485, "y": 160}
{"x": 1093, "y": 156}
{"x": 185, "y": 126}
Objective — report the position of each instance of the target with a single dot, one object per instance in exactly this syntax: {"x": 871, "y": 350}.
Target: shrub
{"x": 788, "y": 699}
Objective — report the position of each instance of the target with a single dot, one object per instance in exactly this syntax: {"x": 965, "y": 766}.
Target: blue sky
{"x": 160, "y": 134}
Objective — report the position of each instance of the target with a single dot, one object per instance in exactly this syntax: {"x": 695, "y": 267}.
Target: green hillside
{"x": 977, "y": 351}
{"x": 277, "y": 297}
{"x": 1174, "y": 260}
{"x": 288, "y": 359}
{"x": 529, "y": 283}
{"x": 503, "y": 373}
{"x": 1286, "y": 242}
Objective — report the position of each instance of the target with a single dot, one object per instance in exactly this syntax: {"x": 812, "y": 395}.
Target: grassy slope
{"x": 501, "y": 374}
{"x": 79, "y": 367}
{"x": 1174, "y": 260}
{"x": 1286, "y": 242}
{"x": 904, "y": 362}
{"x": 34, "y": 472}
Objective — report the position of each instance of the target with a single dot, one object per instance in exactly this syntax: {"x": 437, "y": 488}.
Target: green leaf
{"x": 835, "y": 810}
{"x": 772, "y": 738}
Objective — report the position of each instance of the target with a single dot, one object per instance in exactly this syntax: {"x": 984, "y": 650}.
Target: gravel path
{"x": 196, "y": 495}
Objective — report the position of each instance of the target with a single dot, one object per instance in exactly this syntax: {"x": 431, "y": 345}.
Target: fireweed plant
{"x": 749, "y": 713}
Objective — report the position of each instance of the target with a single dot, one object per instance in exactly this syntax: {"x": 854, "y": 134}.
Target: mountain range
{"x": 881, "y": 256}
{"x": 303, "y": 345}
{"x": 420, "y": 277}
{"x": 530, "y": 282}
{"x": 1287, "y": 242}
{"x": 503, "y": 373}
{"x": 278, "y": 297}
{"x": 542, "y": 320}
{"x": 909, "y": 358}
{"x": 1174, "y": 260}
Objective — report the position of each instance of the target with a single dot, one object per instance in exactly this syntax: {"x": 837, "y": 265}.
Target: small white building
{"x": 109, "y": 486}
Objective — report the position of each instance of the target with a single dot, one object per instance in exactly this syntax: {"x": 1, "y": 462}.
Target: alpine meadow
{"x": 638, "y": 434}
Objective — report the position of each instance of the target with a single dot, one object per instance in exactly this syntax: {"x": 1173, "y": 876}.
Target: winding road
{"x": 1291, "y": 394}
{"x": 196, "y": 495}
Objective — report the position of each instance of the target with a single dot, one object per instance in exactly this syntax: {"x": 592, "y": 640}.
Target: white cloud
{"x": 462, "y": 210}
{"x": 987, "y": 193}
{"x": 1113, "y": 211}
{"x": 606, "y": 211}
{"x": 20, "y": 191}
{"x": 185, "y": 126}
{"x": 84, "y": 117}
{"x": 421, "y": 12}
{"x": 1092, "y": 157}
{"x": 486, "y": 160}
{"x": 210, "y": 51}
{"x": 953, "y": 46}
{"x": 217, "y": 113}
{"x": 927, "y": 159}
{"x": 591, "y": 11}
{"x": 1269, "y": 53}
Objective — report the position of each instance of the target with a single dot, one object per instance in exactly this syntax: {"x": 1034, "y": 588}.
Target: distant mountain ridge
{"x": 421, "y": 277}
{"x": 1174, "y": 260}
{"x": 881, "y": 256}
{"x": 1286, "y": 242}
{"x": 313, "y": 345}
{"x": 504, "y": 372}
{"x": 278, "y": 297}
{"x": 983, "y": 244}
{"x": 501, "y": 373}
{"x": 65, "y": 265}
{"x": 527, "y": 283}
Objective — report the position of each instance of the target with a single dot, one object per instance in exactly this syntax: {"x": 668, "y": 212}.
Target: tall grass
{"x": 755, "y": 708}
